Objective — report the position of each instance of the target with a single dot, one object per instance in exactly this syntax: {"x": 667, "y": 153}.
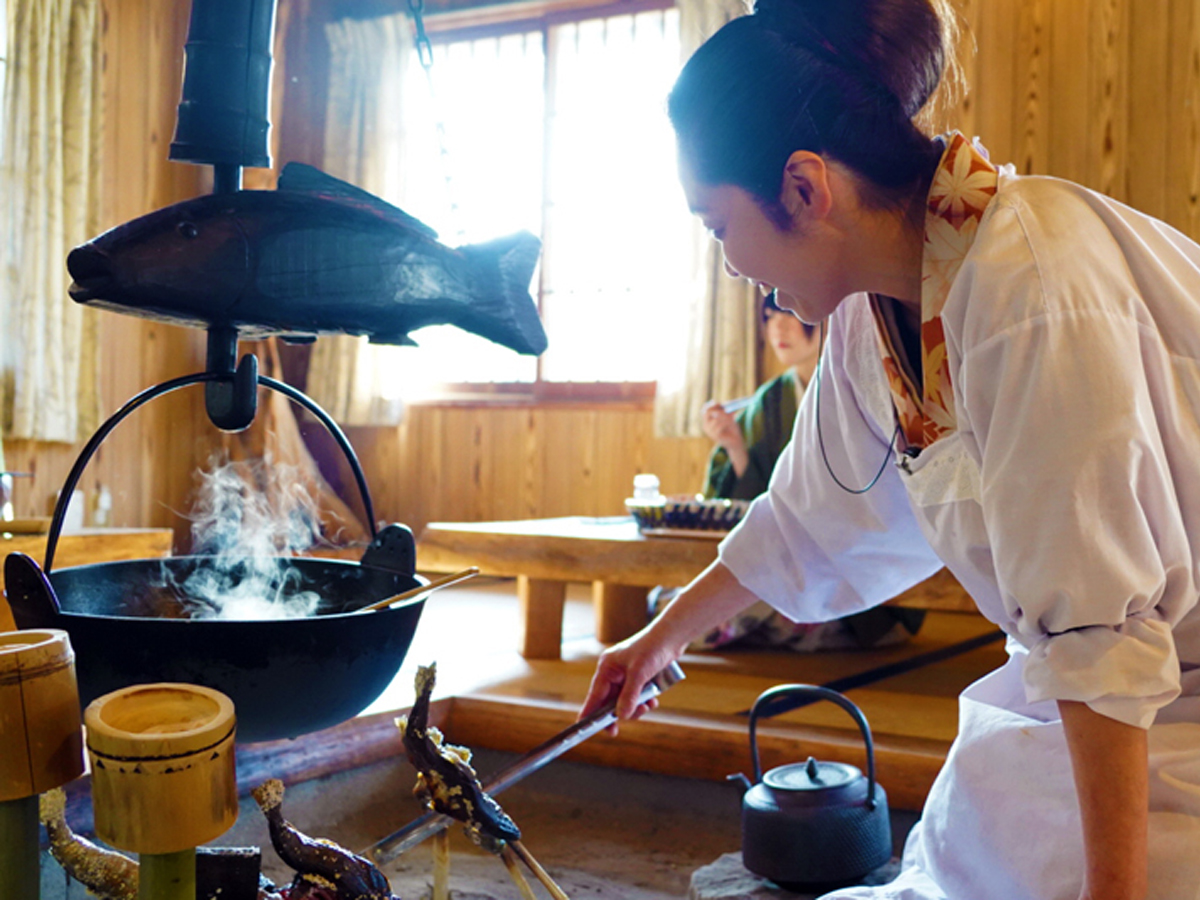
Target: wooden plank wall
{"x": 447, "y": 463}
{"x": 147, "y": 462}
{"x": 1104, "y": 92}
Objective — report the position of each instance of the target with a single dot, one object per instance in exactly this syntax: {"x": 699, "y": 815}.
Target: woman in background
{"x": 1029, "y": 351}
{"x": 748, "y": 443}
{"x": 750, "y": 440}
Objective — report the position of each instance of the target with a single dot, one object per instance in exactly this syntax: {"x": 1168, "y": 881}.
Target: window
{"x": 559, "y": 128}
{"x": 3, "y": 72}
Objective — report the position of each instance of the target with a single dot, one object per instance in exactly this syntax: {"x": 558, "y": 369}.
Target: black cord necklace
{"x": 821, "y": 438}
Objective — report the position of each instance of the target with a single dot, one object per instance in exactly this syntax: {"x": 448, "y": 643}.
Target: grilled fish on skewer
{"x": 446, "y": 782}
{"x": 106, "y": 873}
{"x": 323, "y": 869}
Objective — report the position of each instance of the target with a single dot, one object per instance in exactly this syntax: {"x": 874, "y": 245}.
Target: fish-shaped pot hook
{"x": 317, "y": 256}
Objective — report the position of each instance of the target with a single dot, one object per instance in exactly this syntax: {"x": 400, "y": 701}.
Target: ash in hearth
{"x": 249, "y": 518}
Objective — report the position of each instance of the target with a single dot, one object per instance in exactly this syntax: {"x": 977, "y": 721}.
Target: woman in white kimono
{"x": 1030, "y": 353}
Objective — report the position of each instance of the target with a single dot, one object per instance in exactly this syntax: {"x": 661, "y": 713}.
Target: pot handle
{"x": 296, "y": 396}
{"x": 817, "y": 693}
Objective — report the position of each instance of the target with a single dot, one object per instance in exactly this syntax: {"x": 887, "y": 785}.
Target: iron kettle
{"x": 813, "y": 824}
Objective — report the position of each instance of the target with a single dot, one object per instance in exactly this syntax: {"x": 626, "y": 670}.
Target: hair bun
{"x": 898, "y": 45}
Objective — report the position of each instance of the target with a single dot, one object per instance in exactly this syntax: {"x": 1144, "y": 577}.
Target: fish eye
{"x": 188, "y": 230}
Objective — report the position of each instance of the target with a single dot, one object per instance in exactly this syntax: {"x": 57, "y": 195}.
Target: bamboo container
{"x": 163, "y": 778}
{"x": 42, "y": 743}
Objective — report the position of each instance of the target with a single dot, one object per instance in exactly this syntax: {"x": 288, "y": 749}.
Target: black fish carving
{"x": 317, "y": 256}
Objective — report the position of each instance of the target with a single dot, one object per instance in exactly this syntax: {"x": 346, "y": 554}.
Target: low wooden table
{"x": 91, "y": 545}
{"x": 621, "y": 563}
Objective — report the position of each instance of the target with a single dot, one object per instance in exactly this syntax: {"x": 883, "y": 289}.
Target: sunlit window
{"x": 3, "y": 70}
{"x": 562, "y": 131}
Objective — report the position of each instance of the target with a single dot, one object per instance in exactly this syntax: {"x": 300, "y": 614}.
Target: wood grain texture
{"x": 1106, "y": 92}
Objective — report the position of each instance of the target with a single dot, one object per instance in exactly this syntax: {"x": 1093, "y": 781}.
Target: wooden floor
{"x": 489, "y": 696}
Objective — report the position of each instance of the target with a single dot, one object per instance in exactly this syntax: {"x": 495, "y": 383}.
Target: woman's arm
{"x": 1111, "y": 767}
{"x": 711, "y": 598}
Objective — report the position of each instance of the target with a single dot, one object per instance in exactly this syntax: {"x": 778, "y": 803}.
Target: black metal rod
{"x": 166, "y": 387}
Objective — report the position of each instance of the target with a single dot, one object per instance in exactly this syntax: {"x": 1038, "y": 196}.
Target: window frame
{"x": 451, "y": 26}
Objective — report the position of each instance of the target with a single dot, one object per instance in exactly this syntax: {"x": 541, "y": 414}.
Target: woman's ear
{"x": 806, "y": 189}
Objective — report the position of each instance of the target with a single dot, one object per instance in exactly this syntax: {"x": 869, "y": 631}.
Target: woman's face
{"x": 793, "y": 346}
{"x": 801, "y": 261}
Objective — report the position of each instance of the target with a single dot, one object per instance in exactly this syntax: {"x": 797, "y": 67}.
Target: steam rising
{"x": 249, "y": 518}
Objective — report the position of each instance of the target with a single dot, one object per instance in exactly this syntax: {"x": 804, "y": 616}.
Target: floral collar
{"x": 962, "y": 188}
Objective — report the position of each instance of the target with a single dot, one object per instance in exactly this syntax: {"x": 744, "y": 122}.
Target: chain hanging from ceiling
{"x": 424, "y": 48}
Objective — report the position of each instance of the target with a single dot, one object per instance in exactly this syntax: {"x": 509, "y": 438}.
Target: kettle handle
{"x": 818, "y": 693}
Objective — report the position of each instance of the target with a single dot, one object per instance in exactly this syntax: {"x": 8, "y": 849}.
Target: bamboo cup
{"x": 163, "y": 778}
{"x": 42, "y": 743}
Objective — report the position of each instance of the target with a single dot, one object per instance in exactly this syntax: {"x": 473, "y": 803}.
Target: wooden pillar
{"x": 541, "y": 617}
{"x": 620, "y": 610}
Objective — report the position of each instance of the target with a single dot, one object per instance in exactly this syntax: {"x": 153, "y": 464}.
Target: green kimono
{"x": 767, "y": 427}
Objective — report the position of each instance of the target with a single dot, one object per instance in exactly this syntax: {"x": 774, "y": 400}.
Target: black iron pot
{"x": 813, "y": 825}
{"x": 286, "y": 677}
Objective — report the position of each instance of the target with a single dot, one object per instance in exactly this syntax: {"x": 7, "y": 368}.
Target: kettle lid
{"x": 812, "y": 776}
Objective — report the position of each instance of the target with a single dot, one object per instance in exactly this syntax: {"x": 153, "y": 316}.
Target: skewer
{"x": 441, "y": 866}
{"x": 445, "y": 581}
{"x": 732, "y": 406}
{"x": 542, "y": 875}
{"x": 514, "y": 872}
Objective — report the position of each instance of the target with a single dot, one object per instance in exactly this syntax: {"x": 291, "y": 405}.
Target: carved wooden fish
{"x": 317, "y": 256}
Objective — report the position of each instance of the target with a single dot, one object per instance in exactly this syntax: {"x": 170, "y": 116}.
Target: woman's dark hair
{"x": 844, "y": 78}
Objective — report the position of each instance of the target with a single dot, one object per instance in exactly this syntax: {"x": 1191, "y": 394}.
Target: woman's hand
{"x": 623, "y": 669}
{"x": 722, "y": 429}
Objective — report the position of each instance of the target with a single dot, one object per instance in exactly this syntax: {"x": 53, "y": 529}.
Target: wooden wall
{"x": 448, "y": 463}
{"x": 149, "y": 462}
{"x": 1105, "y": 92}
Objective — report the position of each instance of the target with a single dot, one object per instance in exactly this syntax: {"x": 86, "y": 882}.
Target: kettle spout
{"x": 741, "y": 779}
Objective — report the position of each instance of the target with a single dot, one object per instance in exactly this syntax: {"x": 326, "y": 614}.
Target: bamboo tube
{"x": 39, "y": 713}
{"x": 163, "y": 778}
{"x": 19, "y": 872}
{"x": 42, "y": 745}
{"x": 167, "y": 876}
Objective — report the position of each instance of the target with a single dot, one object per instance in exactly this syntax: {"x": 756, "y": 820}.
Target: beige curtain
{"x": 722, "y": 328}
{"x": 49, "y": 182}
{"x": 368, "y": 62}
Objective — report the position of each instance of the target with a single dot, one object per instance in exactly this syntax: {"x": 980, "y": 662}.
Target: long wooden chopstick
{"x": 522, "y": 853}
{"x": 514, "y": 872}
{"x": 424, "y": 589}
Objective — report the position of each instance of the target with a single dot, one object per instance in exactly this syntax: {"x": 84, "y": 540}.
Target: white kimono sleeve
{"x": 808, "y": 547}
{"x": 1092, "y": 560}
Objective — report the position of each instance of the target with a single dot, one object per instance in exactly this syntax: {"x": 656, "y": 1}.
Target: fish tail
{"x": 512, "y": 320}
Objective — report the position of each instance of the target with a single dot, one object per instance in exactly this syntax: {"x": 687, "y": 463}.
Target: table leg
{"x": 541, "y": 617}
{"x": 620, "y": 610}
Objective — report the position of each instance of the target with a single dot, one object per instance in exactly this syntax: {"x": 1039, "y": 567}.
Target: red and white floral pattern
{"x": 963, "y": 186}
